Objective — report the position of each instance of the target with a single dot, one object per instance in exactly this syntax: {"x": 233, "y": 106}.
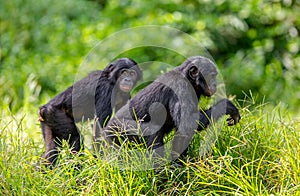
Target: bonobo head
{"x": 127, "y": 80}
{"x": 202, "y": 73}
{"x": 125, "y": 72}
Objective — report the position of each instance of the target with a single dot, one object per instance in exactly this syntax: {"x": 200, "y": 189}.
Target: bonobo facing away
{"x": 94, "y": 96}
{"x": 171, "y": 101}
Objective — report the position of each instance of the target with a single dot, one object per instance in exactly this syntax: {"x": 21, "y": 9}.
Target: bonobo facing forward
{"x": 94, "y": 96}
{"x": 171, "y": 101}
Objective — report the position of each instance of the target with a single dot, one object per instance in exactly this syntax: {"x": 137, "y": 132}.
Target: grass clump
{"x": 260, "y": 156}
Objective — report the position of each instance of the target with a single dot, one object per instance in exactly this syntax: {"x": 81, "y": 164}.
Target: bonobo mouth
{"x": 210, "y": 93}
{"x": 125, "y": 88}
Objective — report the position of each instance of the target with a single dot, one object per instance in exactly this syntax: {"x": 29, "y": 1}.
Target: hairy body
{"x": 170, "y": 102}
{"x": 94, "y": 96}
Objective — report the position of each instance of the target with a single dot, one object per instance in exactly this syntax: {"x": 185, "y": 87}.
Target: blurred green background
{"x": 254, "y": 43}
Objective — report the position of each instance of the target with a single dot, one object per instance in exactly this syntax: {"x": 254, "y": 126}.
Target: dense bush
{"x": 255, "y": 43}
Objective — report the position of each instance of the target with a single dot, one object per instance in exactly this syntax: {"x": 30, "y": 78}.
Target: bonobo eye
{"x": 193, "y": 72}
{"x": 124, "y": 72}
{"x": 133, "y": 73}
{"x": 211, "y": 76}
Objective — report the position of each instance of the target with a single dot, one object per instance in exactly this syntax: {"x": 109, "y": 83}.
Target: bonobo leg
{"x": 58, "y": 126}
{"x": 50, "y": 153}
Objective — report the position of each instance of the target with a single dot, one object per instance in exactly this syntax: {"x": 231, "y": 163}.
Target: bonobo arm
{"x": 221, "y": 108}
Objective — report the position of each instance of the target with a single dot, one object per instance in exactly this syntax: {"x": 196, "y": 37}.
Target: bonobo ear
{"x": 111, "y": 67}
{"x": 193, "y": 72}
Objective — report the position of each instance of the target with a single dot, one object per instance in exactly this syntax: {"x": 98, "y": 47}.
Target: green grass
{"x": 259, "y": 156}
{"x": 44, "y": 43}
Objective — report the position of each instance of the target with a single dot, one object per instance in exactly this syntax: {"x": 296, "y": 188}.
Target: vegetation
{"x": 260, "y": 156}
{"x": 45, "y": 45}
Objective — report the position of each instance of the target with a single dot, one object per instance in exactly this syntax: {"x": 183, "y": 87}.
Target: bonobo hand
{"x": 233, "y": 112}
{"x": 228, "y": 109}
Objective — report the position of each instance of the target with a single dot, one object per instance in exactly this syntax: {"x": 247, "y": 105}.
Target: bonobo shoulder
{"x": 95, "y": 74}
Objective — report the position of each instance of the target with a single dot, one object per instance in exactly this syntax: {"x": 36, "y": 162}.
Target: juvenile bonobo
{"x": 171, "y": 101}
{"x": 94, "y": 96}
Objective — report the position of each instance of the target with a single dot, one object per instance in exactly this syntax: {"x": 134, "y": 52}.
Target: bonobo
{"x": 171, "y": 101}
{"x": 95, "y": 96}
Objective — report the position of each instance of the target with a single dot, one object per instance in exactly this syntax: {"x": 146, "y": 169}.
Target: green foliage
{"x": 255, "y": 43}
{"x": 43, "y": 42}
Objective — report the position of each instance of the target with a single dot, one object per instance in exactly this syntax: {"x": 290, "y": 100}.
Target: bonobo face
{"x": 203, "y": 72}
{"x": 127, "y": 80}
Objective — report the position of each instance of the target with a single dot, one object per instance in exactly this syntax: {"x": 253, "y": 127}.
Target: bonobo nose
{"x": 127, "y": 79}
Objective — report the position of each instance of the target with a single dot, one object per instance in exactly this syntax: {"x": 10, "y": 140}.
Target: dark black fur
{"x": 95, "y": 95}
{"x": 171, "y": 101}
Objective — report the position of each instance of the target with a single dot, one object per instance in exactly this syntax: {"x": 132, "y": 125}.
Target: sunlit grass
{"x": 260, "y": 156}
